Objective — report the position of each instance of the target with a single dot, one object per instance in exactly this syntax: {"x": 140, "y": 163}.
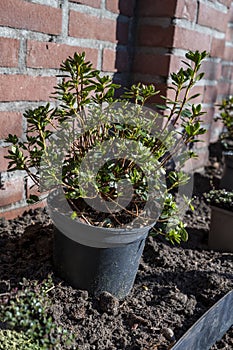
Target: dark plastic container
{"x": 94, "y": 258}
{"x": 227, "y": 178}
{"x": 221, "y": 230}
{"x": 97, "y": 269}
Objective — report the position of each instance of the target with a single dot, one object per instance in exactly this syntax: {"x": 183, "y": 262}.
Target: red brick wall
{"x": 167, "y": 29}
{"x": 132, "y": 39}
{"x": 35, "y": 36}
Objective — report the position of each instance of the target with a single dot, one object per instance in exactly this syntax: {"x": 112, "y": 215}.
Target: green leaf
{"x": 73, "y": 215}
{"x": 33, "y": 199}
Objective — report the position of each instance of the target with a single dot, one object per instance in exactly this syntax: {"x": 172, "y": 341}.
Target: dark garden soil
{"x": 175, "y": 285}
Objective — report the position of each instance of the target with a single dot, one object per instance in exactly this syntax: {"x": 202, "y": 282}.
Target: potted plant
{"x": 220, "y": 235}
{"x": 108, "y": 160}
{"x": 226, "y": 116}
{"x": 226, "y": 139}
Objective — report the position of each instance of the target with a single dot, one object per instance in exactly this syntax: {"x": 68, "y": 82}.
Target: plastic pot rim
{"x": 92, "y": 236}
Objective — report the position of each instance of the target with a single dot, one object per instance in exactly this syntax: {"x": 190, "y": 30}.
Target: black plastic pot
{"x": 227, "y": 178}
{"x": 221, "y": 232}
{"x": 96, "y": 259}
{"x": 97, "y": 269}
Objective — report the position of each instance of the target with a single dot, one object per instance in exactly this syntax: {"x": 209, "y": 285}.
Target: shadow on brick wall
{"x": 126, "y": 29}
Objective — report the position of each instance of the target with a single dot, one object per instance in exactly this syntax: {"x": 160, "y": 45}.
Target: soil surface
{"x": 174, "y": 286}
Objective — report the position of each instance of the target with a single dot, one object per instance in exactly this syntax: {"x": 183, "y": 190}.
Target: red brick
{"x": 191, "y": 40}
{"x": 109, "y": 60}
{"x": 92, "y": 3}
{"x": 152, "y": 64}
{"x": 82, "y": 25}
{"x": 207, "y": 118}
{"x": 176, "y": 63}
{"x": 113, "y": 5}
{"x": 210, "y": 17}
{"x": 51, "y": 55}
{"x": 227, "y": 72}
{"x": 204, "y": 139}
{"x": 152, "y": 35}
{"x": 217, "y": 48}
{"x": 231, "y": 13}
{"x": 211, "y": 69}
{"x": 35, "y": 17}
{"x": 154, "y": 8}
{"x": 3, "y": 161}
{"x": 228, "y": 53}
{"x": 115, "y": 61}
{"x": 231, "y": 89}
{"x": 9, "y": 49}
{"x": 25, "y": 88}
{"x": 12, "y": 192}
{"x": 121, "y": 6}
{"x": 229, "y": 34}
{"x": 223, "y": 88}
{"x": 14, "y": 213}
{"x": 10, "y": 123}
{"x": 215, "y": 130}
{"x": 210, "y": 94}
{"x": 186, "y": 9}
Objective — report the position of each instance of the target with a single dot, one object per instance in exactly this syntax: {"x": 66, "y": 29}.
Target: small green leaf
{"x": 74, "y": 215}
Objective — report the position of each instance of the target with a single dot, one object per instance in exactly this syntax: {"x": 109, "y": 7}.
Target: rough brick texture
{"x": 17, "y": 87}
{"x": 83, "y": 25}
{"x": 10, "y": 123}
{"x": 155, "y": 36}
{"x": 186, "y": 9}
{"x": 153, "y": 8}
{"x": 191, "y": 40}
{"x": 9, "y": 49}
{"x": 12, "y": 192}
{"x": 152, "y": 64}
{"x": 39, "y": 54}
{"x": 24, "y": 15}
{"x": 135, "y": 40}
{"x": 209, "y": 17}
{"x": 3, "y": 161}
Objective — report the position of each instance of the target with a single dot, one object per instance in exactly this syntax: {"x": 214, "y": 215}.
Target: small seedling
{"x": 27, "y": 313}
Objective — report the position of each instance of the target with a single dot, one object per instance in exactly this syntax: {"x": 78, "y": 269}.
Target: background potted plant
{"x": 221, "y": 233}
{"x": 226, "y": 139}
{"x": 226, "y": 116}
{"x": 108, "y": 160}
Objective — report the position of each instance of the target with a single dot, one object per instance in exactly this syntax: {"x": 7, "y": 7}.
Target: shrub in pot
{"x": 221, "y": 226}
{"x": 108, "y": 160}
{"x": 226, "y": 116}
{"x": 226, "y": 139}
